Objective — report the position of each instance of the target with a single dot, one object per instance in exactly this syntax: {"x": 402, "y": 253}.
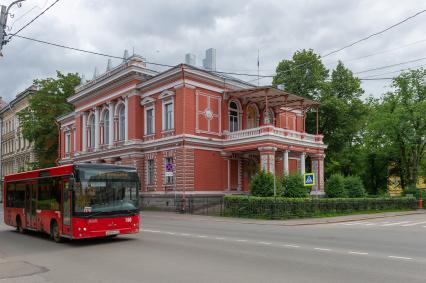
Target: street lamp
{"x": 4, "y": 12}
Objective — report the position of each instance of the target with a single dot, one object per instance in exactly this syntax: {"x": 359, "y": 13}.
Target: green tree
{"x": 354, "y": 187}
{"x": 303, "y": 75}
{"x": 38, "y": 120}
{"x": 399, "y": 124}
{"x": 335, "y": 187}
{"x": 262, "y": 184}
{"x": 292, "y": 186}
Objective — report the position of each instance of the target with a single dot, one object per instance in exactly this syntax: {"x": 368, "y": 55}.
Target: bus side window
{"x": 20, "y": 195}
{"x": 10, "y": 195}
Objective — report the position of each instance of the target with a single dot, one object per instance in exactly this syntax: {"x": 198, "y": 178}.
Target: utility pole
{"x": 4, "y": 13}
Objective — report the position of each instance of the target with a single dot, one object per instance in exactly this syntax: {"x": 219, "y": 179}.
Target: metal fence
{"x": 192, "y": 204}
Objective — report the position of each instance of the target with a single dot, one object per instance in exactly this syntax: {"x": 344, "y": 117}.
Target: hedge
{"x": 284, "y": 208}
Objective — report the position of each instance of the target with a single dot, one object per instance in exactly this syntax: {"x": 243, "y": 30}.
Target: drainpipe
{"x": 59, "y": 143}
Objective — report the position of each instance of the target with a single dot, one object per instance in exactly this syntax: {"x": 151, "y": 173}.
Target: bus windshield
{"x": 106, "y": 191}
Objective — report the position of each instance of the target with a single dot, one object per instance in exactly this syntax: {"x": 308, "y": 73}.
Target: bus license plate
{"x": 112, "y": 232}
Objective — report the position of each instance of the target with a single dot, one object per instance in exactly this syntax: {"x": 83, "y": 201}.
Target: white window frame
{"x": 172, "y": 122}
{"x": 152, "y": 107}
{"x": 105, "y": 133}
{"x": 150, "y": 182}
{"x": 238, "y": 111}
{"x": 121, "y": 133}
{"x": 67, "y": 142}
{"x": 169, "y": 180}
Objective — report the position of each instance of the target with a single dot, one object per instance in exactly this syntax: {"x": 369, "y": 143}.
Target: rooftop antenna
{"x": 258, "y": 67}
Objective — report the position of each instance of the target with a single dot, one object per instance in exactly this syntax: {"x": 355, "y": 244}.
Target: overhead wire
{"x": 224, "y": 72}
{"x": 30, "y": 22}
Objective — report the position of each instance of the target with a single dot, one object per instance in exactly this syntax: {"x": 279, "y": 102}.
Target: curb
{"x": 276, "y": 223}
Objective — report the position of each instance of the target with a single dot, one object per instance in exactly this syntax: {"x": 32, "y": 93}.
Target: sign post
{"x": 309, "y": 179}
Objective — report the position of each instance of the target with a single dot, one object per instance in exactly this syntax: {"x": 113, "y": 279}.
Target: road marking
{"x": 184, "y": 234}
{"x": 241, "y": 240}
{"x": 413, "y": 224}
{"x": 219, "y": 238}
{"x": 395, "y": 223}
{"x": 264, "y": 243}
{"x": 358, "y": 253}
{"x": 151, "y": 231}
{"x": 291, "y": 246}
{"x": 201, "y": 236}
{"x": 170, "y": 233}
{"x": 399, "y": 257}
{"x": 321, "y": 249}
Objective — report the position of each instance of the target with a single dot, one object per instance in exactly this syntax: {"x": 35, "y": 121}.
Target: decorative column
{"x": 240, "y": 175}
{"x": 302, "y": 163}
{"x": 96, "y": 128}
{"x": 229, "y": 173}
{"x": 267, "y": 158}
{"x": 318, "y": 170}
{"x": 111, "y": 123}
{"x": 285, "y": 162}
{"x": 84, "y": 132}
{"x": 126, "y": 114}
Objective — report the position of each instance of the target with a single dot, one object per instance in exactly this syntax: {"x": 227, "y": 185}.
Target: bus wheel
{"x": 54, "y": 232}
{"x": 19, "y": 227}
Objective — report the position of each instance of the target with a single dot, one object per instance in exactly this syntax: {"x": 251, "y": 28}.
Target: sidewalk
{"x": 288, "y": 222}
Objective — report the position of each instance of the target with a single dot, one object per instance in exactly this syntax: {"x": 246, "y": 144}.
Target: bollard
{"x": 420, "y": 203}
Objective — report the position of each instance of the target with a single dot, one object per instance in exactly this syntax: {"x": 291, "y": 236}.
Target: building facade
{"x": 188, "y": 130}
{"x": 17, "y": 153}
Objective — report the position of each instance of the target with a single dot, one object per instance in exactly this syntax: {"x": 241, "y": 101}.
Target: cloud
{"x": 163, "y": 31}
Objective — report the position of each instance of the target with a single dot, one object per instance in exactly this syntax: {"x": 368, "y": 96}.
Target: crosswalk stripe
{"x": 396, "y": 223}
{"x": 413, "y": 224}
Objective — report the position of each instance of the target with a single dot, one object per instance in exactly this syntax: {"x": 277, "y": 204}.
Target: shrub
{"x": 262, "y": 184}
{"x": 283, "y": 208}
{"x": 335, "y": 187}
{"x": 293, "y": 187}
{"x": 354, "y": 187}
{"x": 414, "y": 191}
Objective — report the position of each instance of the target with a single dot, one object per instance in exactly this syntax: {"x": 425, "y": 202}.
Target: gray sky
{"x": 163, "y": 31}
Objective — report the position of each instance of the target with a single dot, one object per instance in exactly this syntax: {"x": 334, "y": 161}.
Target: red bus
{"x": 74, "y": 201}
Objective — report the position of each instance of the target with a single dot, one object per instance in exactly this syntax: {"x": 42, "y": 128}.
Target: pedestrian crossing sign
{"x": 309, "y": 179}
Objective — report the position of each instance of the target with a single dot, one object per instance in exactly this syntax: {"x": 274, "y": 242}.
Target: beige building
{"x": 17, "y": 154}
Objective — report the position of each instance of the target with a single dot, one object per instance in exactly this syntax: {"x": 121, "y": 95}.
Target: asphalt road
{"x": 183, "y": 248}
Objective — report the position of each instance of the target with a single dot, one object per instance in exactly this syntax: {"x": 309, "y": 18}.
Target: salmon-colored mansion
{"x": 189, "y": 130}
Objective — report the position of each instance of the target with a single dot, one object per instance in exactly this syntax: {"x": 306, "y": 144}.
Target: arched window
{"x": 106, "y": 126}
{"x": 234, "y": 123}
{"x": 91, "y": 128}
{"x": 268, "y": 117}
{"x": 252, "y": 114}
{"x": 121, "y": 123}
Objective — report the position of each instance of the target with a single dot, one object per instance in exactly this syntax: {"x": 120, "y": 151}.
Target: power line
{"x": 358, "y": 41}
{"x": 30, "y": 22}
{"x": 390, "y": 66}
{"x": 85, "y": 51}
{"x": 374, "y": 34}
{"x": 398, "y": 71}
{"x": 386, "y": 51}
{"x": 375, "y": 79}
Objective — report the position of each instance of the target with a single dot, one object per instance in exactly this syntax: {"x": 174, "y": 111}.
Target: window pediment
{"x": 166, "y": 93}
{"x": 147, "y": 100}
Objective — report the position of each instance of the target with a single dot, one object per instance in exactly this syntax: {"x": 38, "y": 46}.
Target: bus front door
{"x": 66, "y": 208}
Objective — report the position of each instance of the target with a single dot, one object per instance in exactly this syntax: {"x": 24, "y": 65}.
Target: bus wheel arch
{"x": 54, "y": 231}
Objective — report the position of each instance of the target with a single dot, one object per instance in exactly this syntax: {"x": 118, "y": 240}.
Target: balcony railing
{"x": 271, "y": 130}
